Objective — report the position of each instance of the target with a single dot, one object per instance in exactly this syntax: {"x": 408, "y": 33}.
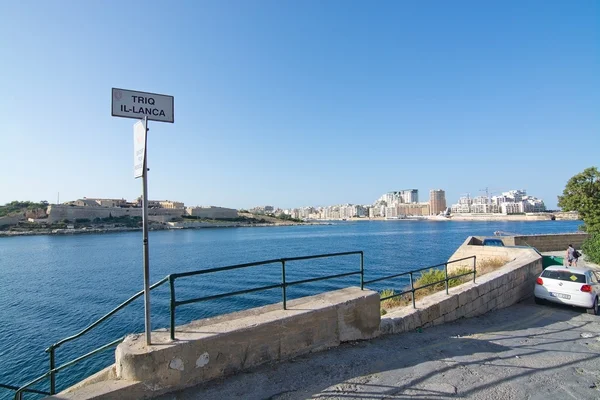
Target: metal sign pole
{"x": 145, "y": 238}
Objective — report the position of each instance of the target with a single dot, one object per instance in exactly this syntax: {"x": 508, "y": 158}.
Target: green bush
{"x": 431, "y": 276}
{"x": 20, "y": 206}
{"x": 591, "y": 248}
{"x": 437, "y": 275}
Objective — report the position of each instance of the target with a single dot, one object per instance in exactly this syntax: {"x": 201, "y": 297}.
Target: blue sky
{"x": 299, "y": 103}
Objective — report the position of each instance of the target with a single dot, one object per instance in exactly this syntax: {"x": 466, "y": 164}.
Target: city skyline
{"x": 300, "y": 103}
{"x": 437, "y": 201}
{"x": 448, "y": 199}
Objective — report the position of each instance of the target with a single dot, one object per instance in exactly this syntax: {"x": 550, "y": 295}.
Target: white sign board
{"x": 132, "y": 104}
{"x": 139, "y": 148}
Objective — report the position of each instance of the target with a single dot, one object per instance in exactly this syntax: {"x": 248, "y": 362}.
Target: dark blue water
{"x": 53, "y": 286}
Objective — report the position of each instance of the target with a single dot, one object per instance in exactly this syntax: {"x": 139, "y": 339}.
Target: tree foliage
{"x": 19, "y": 206}
{"x": 582, "y": 194}
{"x": 591, "y": 248}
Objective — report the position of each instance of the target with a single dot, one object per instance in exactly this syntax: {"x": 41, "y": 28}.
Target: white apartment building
{"x": 409, "y": 196}
{"x": 391, "y": 212}
{"x": 515, "y": 195}
{"x": 399, "y": 197}
{"x": 511, "y": 202}
{"x": 532, "y": 204}
{"x": 512, "y": 208}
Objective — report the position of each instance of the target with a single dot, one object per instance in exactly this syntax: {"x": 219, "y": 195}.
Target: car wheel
{"x": 594, "y": 309}
{"x": 538, "y": 300}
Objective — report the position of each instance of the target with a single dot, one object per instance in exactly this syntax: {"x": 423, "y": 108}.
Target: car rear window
{"x": 563, "y": 275}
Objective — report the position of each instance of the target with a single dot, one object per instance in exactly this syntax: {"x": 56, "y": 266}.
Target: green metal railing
{"x": 15, "y": 388}
{"x": 410, "y": 274}
{"x": 53, "y": 370}
{"x": 283, "y": 285}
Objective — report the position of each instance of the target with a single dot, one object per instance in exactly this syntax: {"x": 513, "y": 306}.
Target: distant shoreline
{"x": 463, "y": 218}
{"x": 82, "y": 231}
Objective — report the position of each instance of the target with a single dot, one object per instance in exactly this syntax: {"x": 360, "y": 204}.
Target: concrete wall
{"x": 499, "y": 289}
{"x": 215, "y": 347}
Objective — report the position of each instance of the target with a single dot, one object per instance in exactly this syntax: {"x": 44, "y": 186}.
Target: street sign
{"x": 139, "y": 148}
{"x": 132, "y": 104}
{"x": 145, "y": 107}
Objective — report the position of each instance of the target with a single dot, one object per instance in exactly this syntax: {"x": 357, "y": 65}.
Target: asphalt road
{"x": 522, "y": 352}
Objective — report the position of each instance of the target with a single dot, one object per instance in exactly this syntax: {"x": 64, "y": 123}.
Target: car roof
{"x": 577, "y": 270}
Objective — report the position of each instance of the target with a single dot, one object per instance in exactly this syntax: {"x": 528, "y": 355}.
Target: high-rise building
{"x": 409, "y": 196}
{"x": 437, "y": 201}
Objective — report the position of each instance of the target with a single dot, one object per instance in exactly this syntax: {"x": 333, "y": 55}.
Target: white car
{"x": 574, "y": 286}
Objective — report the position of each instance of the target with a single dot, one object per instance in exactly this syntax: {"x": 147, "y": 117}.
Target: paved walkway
{"x": 582, "y": 262}
{"x": 523, "y": 352}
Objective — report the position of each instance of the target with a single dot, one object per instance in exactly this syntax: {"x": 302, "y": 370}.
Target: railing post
{"x": 283, "y": 294}
{"x": 412, "y": 288}
{"x": 446, "y": 273}
{"x": 172, "y": 307}
{"x": 362, "y": 271}
{"x": 474, "y": 267}
{"x": 52, "y": 373}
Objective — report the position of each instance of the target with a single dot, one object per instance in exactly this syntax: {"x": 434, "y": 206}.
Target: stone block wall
{"x": 502, "y": 288}
{"x": 543, "y": 243}
{"x": 554, "y": 242}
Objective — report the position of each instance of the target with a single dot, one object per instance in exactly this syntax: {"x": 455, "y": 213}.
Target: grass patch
{"x": 433, "y": 277}
{"x": 490, "y": 264}
{"x": 390, "y": 303}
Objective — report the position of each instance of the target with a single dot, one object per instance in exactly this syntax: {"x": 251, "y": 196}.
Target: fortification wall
{"x": 60, "y": 212}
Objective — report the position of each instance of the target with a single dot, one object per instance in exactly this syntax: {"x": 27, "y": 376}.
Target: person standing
{"x": 572, "y": 256}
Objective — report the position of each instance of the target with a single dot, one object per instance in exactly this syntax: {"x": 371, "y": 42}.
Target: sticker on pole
{"x": 133, "y": 104}
{"x": 139, "y": 148}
